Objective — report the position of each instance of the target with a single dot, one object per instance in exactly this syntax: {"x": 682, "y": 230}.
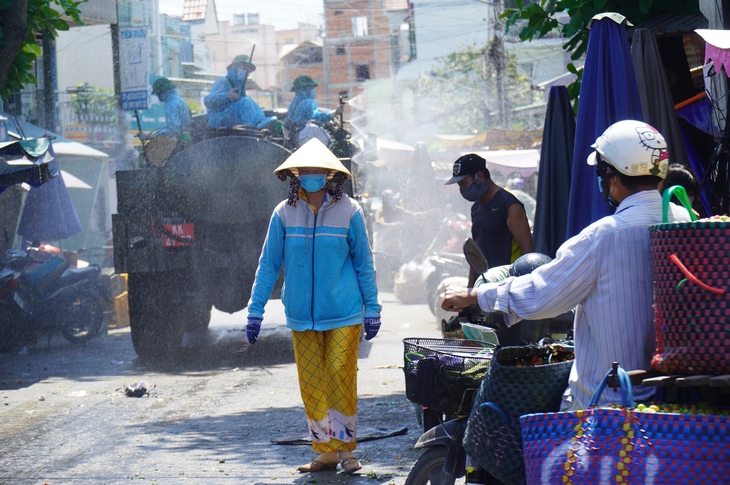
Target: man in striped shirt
{"x": 604, "y": 272}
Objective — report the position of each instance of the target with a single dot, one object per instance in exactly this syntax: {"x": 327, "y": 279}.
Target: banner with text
{"x": 134, "y": 55}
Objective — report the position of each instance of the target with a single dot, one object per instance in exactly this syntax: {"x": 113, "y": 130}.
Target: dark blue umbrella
{"x": 553, "y": 184}
{"x": 655, "y": 93}
{"x": 24, "y": 162}
{"x": 49, "y": 214}
{"x": 608, "y": 94}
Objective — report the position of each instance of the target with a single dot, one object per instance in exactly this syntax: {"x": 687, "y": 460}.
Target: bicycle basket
{"x": 443, "y": 374}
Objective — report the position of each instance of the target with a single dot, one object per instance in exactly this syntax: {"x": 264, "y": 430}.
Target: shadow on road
{"x": 244, "y": 441}
{"x": 113, "y": 354}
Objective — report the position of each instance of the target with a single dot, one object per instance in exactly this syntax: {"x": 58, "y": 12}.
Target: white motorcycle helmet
{"x": 634, "y": 148}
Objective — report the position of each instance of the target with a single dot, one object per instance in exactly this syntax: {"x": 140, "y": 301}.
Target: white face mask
{"x": 241, "y": 74}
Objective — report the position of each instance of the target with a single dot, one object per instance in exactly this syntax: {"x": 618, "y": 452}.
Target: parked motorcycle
{"x": 41, "y": 295}
{"x": 445, "y": 460}
{"x": 418, "y": 280}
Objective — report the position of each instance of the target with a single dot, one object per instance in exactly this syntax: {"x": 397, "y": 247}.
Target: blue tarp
{"x": 608, "y": 94}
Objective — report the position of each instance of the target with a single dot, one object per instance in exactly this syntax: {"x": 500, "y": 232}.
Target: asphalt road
{"x": 215, "y": 418}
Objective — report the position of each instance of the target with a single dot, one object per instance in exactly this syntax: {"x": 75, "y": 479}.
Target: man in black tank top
{"x": 499, "y": 222}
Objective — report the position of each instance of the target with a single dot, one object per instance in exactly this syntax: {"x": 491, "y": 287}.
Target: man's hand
{"x": 337, "y": 111}
{"x": 233, "y": 95}
{"x": 457, "y": 298}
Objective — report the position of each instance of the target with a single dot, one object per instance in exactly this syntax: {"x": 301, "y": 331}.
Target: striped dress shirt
{"x": 605, "y": 274}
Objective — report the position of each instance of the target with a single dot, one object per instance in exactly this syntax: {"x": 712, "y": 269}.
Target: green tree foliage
{"x": 539, "y": 18}
{"x": 20, "y": 20}
{"x": 536, "y": 19}
{"x": 461, "y": 92}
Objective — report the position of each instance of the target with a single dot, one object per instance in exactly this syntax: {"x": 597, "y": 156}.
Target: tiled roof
{"x": 194, "y": 10}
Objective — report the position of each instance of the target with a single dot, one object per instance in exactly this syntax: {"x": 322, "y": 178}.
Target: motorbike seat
{"x": 73, "y": 275}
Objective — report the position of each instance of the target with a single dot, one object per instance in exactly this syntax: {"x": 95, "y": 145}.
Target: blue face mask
{"x": 606, "y": 196}
{"x": 313, "y": 182}
{"x": 241, "y": 74}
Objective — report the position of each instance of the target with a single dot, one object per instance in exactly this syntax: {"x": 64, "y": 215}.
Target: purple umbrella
{"x": 49, "y": 214}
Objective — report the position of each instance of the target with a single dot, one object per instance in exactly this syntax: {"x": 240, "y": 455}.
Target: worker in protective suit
{"x": 228, "y": 104}
{"x": 304, "y": 109}
{"x": 177, "y": 113}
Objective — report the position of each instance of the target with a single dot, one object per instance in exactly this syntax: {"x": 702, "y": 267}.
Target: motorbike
{"x": 445, "y": 460}
{"x": 418, "y": 281}
{"x": 41, "y": 295}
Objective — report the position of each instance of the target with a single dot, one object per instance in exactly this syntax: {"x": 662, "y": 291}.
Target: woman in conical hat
{"x": 318, "y": 236}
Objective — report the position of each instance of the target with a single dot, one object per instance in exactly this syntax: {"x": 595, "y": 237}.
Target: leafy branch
{"x": 20, "y": 53}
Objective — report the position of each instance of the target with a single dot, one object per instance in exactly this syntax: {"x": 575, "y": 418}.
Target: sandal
{"x": 350, "y": 465}
{"x": 317, "y": 466}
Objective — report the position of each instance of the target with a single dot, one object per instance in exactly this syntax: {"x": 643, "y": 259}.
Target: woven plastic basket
{"x": 691, "y": 267}
{"x": 444, "y": 374}
{"x": 493, "y": 437}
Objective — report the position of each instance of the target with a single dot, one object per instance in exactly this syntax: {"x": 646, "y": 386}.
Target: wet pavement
{"x": 213, "y": 418}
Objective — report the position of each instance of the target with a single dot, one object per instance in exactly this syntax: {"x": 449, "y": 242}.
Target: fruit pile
{"x": 714, "y": 219}
{"x": 551, "y": 354}
{"x": 694, "y": 408}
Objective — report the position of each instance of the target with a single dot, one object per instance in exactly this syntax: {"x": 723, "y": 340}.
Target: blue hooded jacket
{"x": 223, "y": 112}
{"x": 177, "y": 114}
{"x": 303, "y": 108}
{"x": 329, "y": 278}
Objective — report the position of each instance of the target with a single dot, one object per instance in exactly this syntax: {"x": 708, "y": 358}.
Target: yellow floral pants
{"x": 327, "y": 369}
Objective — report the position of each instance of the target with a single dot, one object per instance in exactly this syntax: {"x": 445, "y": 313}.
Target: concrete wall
{"x": 84, "y": 55}
{"x": 233, "y": 40}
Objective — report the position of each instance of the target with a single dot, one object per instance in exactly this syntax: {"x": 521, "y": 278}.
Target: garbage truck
{"x": 190, "y": 225}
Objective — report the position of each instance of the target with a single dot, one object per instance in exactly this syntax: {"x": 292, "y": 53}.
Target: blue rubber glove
{"x": 372, "y": 325}
{"x": 253, "y": 327}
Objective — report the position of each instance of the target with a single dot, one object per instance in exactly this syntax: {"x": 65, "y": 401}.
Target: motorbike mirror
{"x": 475, "y": 257}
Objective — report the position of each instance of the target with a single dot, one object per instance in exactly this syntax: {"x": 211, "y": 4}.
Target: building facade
{"x": 357, "y": 47}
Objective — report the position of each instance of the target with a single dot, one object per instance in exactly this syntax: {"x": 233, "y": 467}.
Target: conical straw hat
{"x": 313, "y": 154}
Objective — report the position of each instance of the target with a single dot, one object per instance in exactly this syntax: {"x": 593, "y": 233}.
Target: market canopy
{"x": 523, "y": 161}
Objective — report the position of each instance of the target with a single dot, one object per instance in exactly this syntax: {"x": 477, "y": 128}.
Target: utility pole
{"x": 121, "y": 127}
{"x": 47, "y": 108}
{"x": 498, "y": 58}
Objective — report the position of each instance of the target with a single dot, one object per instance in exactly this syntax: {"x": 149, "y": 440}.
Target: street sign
{"x": 134, "y": 61}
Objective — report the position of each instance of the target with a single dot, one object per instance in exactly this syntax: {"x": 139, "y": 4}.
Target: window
{"x": 362, "y": 72}
{"x": 338, "y": 12}
{"x": 340, "y": 50}
{"x": 359, "y": 26}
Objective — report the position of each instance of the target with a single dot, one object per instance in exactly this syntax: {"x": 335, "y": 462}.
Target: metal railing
{"x": 80, "y": 114}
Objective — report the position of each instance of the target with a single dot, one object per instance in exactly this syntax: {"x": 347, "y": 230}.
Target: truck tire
{"x": 196, "y": 318}
{"x": 155, "y": 335}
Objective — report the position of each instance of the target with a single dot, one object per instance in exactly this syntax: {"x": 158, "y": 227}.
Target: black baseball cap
{"x": 465, "y": 166}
